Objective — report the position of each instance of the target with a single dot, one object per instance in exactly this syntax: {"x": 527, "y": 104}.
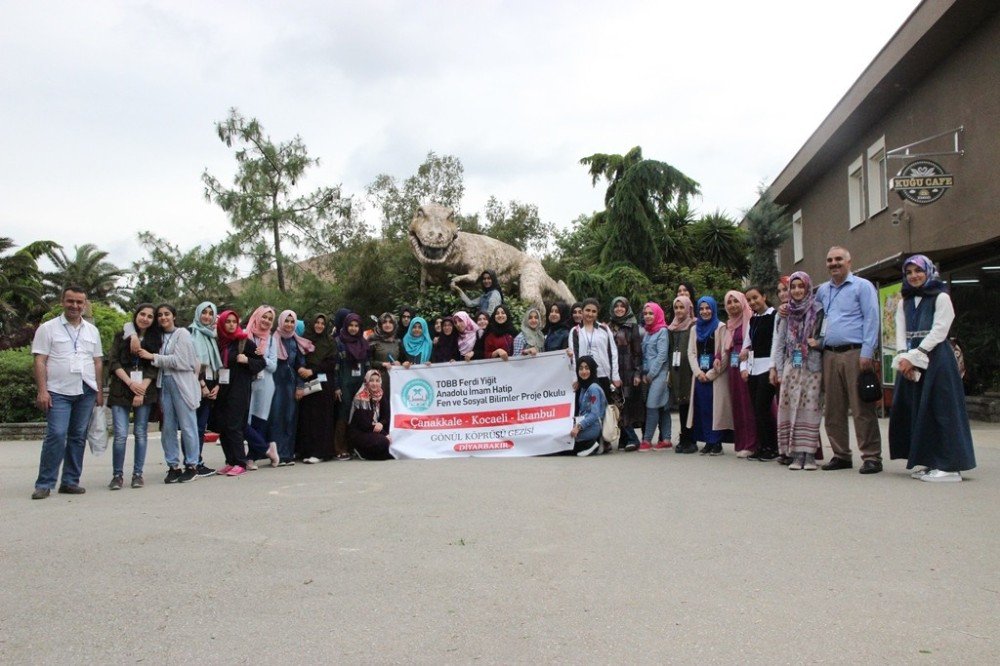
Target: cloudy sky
{"x": 107, "y": 108}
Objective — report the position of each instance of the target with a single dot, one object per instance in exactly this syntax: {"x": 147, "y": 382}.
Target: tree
{"x": 184, "y": 279}
{"x": 438, "y": 180}
{"x": 21, "y": 286}
{"x": 717, "y": 240}
{"x": 767, "y": 229}
{"x": 639, "y": 192}
{"x": 517, "y": 224}
{"x": 89, "y": 269}
{"x": 264, "y": 208}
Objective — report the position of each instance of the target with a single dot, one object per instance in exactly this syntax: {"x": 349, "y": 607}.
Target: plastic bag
{"x": 98, "y": 435}
{"x": 609, "y": 429}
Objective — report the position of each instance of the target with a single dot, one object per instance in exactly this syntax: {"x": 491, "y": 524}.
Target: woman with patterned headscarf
{"x": 929, "y": 425}
{"x": 384, "y": 344}
{"x": 625, "y": 328}
{"x": 681, "y": 378}
{"x": 259, "y": 327}
{"x": 368, "y": 430}
{"x": 737, "y": 329}
{"x": 289, "y": 378}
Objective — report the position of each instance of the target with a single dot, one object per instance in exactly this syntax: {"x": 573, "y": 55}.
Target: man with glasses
{"x": 68, "y": 367}
{"x": 850, "y": 340}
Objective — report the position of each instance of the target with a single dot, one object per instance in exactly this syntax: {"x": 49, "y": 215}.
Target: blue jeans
{"x": 203, "y": 412}
{"x": 177, "y": 415}
{"x": 120, "y": 414}
{"x": 657, "y": 416}
{"x": 65, "y": 438}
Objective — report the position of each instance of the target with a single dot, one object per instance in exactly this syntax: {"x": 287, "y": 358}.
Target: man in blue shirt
{"x": 849, "y": 345}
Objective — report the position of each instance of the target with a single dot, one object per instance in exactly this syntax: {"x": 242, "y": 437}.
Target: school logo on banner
{"x": 418, "y": 395}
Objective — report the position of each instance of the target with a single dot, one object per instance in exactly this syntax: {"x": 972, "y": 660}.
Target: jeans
{"x": 177, "y": 415}
{"x": 628, "y": 435}
{"x": 120, "y": 415}
{"x": 657, "y": 416}
{"x": 65, "y": 438}
{"x": 203, "y": 412}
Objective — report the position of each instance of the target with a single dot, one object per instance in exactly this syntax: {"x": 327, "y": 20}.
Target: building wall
{"x": 964, "y": 89}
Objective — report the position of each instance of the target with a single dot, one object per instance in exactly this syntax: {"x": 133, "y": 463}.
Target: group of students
{"x": 281, "y": 390}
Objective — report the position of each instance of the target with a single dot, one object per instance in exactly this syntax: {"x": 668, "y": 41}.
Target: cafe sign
{"x": 921, "y": 182}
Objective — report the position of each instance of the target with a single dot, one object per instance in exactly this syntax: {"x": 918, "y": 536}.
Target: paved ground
{"x": 629, "y": 558}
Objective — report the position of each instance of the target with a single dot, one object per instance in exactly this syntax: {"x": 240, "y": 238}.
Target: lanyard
{"x": 73, "y": 339}
{"x": 166, "y": 342}
{"x": 833, "y": 296}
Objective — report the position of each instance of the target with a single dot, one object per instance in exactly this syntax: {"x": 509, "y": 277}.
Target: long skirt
{"x": 744, "y": 423}
{"x": 317, "y": 414}
{"x": 702, "y": 420}
{"x": 799, "y": 412}
{"x": 281, "y": 425}
{"x": 929, "y": 424}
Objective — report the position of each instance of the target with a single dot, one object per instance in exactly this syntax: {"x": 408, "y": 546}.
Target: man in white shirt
{"x": 68, "y": 366}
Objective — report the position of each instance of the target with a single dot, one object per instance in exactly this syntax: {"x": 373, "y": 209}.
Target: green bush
{"x": 17, "y": 387}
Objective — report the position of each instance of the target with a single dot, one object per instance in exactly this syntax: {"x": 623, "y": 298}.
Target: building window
{"x": 855, "y": 192}
{"x": 797, "y": 254}
{"x": 878, "y": 195}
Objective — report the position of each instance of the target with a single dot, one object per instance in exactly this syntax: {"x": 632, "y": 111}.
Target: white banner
{"x": 519, "y": 407}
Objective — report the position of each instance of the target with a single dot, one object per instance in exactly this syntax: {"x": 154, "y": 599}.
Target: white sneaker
{"x": 937, "y": 476}
{"x": 590, "y": 451}
{"x": 918, "y": 472}
{"x": 311, "y": 460}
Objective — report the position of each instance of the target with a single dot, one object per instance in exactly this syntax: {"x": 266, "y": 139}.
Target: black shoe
{"x": 202, "y": 470}
{"x": 705, "y": 450}
{"x": 764, "y": 456}
{"x": 689, "y": 447}
{"x": 78, "y": 490}
{"x": 870, "y": 467}
{"x": 190, "y": 473}
{"x": 41, "y": 493}
{"x": 716, "y": 450}
{"x": 840, "y": 463}
{"x": 174, "y": 475}
{"x": 137, "y": 481}
{"x": 116, "y": 483}
{"x": 785, "y": 460}
{"x": 631, "y": 446}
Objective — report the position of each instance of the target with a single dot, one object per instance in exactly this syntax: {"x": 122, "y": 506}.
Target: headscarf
{"x": 467, "y": 338}
{"x": 584, "y": 384}
{"x": 257, "y": 329}
{"x": 659, "y": 321}
{"x": 496, "y": 328}
{"x": 355, "y": 345}
{"x": 446, "y": 348}
{"x": 685, "y": 322}
{"x": 706, "y": 329}
{"x": 367, "y": 398}
{"x": 421, "y": 347}
{"x": 338, "y": 319}
{"x": 577, "y": 305}
{"x": 743, "y": 319}
{"x": 484, "y": 299}
{"x": 304, "y": 345}
{"x": 565, "y": 318}
{"x": 381, "y": 336}
{"x": 628, "y": 319}
{"x": 690, "y": 287}
{"x": 203, "y": 337}
{"x": 322, "y": 342}
{"x": 406, "y": 309}
{"x": 801, "y": 314}
{"x": 932, "y": 286}
{"x": 533, "y": 337}
{"x": 224, "y": 338}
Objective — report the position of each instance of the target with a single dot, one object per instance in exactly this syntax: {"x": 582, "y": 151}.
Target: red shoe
{"x": 236, "y": 471}
{"x": 222, "y": 471}
{"x": 645, "y": 446}
{"x": 663, "y": 444}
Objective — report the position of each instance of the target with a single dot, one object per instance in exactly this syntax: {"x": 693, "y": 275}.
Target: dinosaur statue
{"x": 443, "y": 250}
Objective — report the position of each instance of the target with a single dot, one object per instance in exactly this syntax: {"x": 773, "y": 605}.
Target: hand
{"x": 214, "y": 393}
{"x": 617, "y": 383}
{"x": 574, "y": 431}
{"x": 134, "y": 345}
{"x": 646, "y": 379}
{"x": 744, "y": 354}
{"x": 813, "y": 343}
{"x": 783, "y": 310}
{"x": 406, "y": 364}
{"x": 137, "y": 401}
{"x": 569, "y": 352}
{"x": 137, "y": 388}
{"x": 300, "y": 393}
{"x": 305, "y": 373}
{"x": 867, "y": 363}
{"x": 717, "y": 364}
{"x": 702, "y": 377}
{"x": 500, "y": 353}
{"x": 468, "y": 357}
{"x": 43, "y": 400}
{"x": 145, "y": 355}
{"x": 744, "y": 375}
{"x": 774, "y": 378}
{"x": 636, "y": 380}
{"x": 386, "y": 365}
{"x": 204, "y": 391}
{"x": 339, "y": 395}
{"x": 377, "y": 427}
{"x": 100, "y": 397}
{"x": 259, "y": 351}
{"x": 242, "y": 358}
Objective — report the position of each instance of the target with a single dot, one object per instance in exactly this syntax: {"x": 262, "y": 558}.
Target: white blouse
{"x": 944, "y": 315}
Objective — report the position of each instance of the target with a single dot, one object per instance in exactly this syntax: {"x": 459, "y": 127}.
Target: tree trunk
{"x": 277, "y": 257}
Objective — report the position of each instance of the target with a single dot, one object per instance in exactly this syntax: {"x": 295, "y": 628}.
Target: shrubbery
{"x": 17, "y": 387}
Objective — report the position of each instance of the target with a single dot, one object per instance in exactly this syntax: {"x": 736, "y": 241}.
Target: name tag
{"x": 135, "y": 376}
{"x": 223, "y": 375}
{"x": 734, "y": 359}
{"x": 356, "y": 372}
{"x": 705, "y": 362}
{"x": 796, "y": 358}
{"x": 822, "y": 328}
{"x": 750, "y": 359}
{"x": 76, "y": 364}
{"x": 677, "y": 359}
{"x": 321, "y": 377}
{"x": 209, "y": 375}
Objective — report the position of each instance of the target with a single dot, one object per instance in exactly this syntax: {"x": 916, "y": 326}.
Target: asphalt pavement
{"x": 628, "y": 558}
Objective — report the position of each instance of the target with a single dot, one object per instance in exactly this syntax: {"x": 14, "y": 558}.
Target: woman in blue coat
{"x": 590, "y": 407}
{"x": 655, "y": 371}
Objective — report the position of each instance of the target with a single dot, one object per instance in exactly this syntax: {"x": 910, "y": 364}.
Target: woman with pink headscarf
{"x": 289, "y": 378}
{"x": 681, "y": 374}
{"x": 258, "y": 329}
{"x": 468, "y": 334}
{"x": 738, "y": 327}
{"x": 655, "y": 370}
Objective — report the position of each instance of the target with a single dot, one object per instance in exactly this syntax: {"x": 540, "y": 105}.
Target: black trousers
{"x": 762, "y": 400}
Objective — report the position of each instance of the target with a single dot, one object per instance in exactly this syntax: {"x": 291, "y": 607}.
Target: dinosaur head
{"x": 432, "y": 232}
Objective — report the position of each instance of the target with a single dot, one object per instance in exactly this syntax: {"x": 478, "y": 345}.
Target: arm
{"x": 99, "y": 378}
{"x": 944, "y": 315}
{"x": 519, "y": 344}
{"x": 43, "y": 399}
{"x": 659, "y": 361}
{"x": 596, "y": 407}
{"x": 868, "y": 299}
{"x": 613, "y": 353}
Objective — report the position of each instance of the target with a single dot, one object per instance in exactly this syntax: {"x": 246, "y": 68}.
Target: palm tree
{"x": 20, "y": 283}
{"x": 88, "y": 269}
{"x": 767, "y": 229}
{"x": 639, "y": 192}
{"x": 717, "y": 240}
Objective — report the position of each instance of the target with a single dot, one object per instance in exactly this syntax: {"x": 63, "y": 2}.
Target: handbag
{"x": 98, "y": 434}
{"x": 610, "y": 431}
{"x": 312, "y": 386}
{"x": 868, "y": 386}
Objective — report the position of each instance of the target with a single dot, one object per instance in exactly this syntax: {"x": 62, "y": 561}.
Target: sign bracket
{"x": 903, "y": 152}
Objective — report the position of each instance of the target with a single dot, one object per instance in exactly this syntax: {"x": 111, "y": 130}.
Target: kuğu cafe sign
{"x": 921, "y": 182}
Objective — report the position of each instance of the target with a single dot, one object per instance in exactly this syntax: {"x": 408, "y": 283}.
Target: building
{"x": 933, "y": 92}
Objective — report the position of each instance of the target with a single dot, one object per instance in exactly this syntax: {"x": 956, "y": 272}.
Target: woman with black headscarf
{"x": 590, "y": 408}
{"x": 352, "y": 363}
{"x": 384, "y": 346}
{"x": 491, "y": 297}
{"x": 446, "y": 345}
{"x": 317, "y": 411}
{"x": 557, "y": 325}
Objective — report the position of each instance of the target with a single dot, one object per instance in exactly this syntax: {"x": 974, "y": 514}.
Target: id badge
{"x": 135, "y": 376}
{"x": 223, "y": 375}
{"x": 355, "y": 372}
{"x": 321, "y": 377}
{"x": 209, "y": 375}
{"x": 822, "y": 328}
{"x": 750, "y": 359}
{"x": 677, "y": 359}
{"x": 734, "y": 359}
{"x": 705, "y": 362}
{"x": 796, "y": 358}
{"x": 76, "y": 364}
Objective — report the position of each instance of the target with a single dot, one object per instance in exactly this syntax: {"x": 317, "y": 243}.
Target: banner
{"x": 519, "y": 407}
{"x": 889, "y": 298}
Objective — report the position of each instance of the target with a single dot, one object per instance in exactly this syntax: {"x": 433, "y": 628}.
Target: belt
{"x": 836, "y": 349}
